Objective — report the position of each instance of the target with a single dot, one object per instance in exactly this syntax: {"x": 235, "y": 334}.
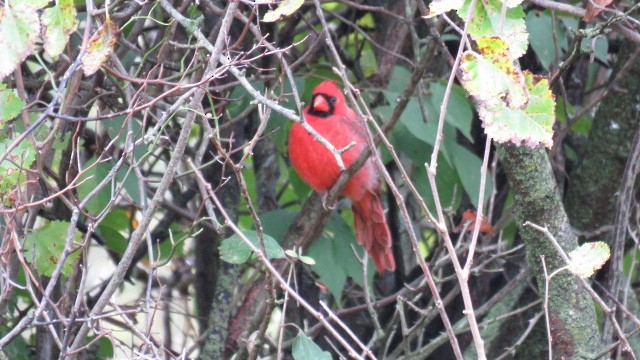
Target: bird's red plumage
{"x": 329, "y": 115}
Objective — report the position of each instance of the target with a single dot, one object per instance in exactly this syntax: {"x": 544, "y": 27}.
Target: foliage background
{"x": 144, "y": 155}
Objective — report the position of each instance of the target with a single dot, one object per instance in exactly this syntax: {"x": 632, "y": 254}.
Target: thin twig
{"x": 440, "y": 224}
{"x": 610, "y": 313}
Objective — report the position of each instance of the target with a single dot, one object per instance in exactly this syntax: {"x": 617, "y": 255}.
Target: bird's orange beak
{"x": 320, "y": 104}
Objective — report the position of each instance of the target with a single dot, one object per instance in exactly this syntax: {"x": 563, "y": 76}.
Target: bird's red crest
{"x": 329, "y": 87}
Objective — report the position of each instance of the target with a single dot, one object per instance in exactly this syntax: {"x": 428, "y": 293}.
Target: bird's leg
{"x": 324, "y": 202}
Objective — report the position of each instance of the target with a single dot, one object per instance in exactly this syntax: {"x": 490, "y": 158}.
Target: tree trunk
{"x": 572, "y": 317}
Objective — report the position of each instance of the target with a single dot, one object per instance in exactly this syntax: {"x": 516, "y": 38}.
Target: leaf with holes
{"x": 514, "y": 106}
{"x": 19, "y": 30}
{"x": 489, "y": 21}
{"x": 44, "y": 248}
{"x": 491, "y": 76}
{"x": 589, "y": 257}
{"x": 59, "y": 22}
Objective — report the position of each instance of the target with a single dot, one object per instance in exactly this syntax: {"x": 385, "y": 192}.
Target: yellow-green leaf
{"x": 514, "y": 106}
{"x": 100, "y": 47}
{"x": 589, "y": 257}
{"x": 19, "y": 29}
{"x": 35, "y": 4}
{"x": 489, "y": 21}
{"x": 492, "y": 78}
{"x": 59, "y": 22}
{"x": 286, "y": 8}
{"x": 438, "y": 7}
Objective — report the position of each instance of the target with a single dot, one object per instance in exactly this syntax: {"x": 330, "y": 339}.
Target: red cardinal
{"x": 329, "y": 115}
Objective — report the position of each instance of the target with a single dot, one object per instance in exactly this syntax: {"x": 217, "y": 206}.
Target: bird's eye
{"x": 333, "y": 99}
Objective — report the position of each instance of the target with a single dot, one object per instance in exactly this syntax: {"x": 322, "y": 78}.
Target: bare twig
{"x": 610, "y": 313}
{"x": 440, "y": 223}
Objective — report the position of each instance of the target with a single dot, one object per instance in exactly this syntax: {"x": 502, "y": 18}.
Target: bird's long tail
{"x": 372, "y": 230}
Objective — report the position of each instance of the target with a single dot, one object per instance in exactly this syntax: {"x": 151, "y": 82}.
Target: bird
{"x": 330, "y": 116}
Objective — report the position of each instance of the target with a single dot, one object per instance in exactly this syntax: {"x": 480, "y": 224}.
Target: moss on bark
{"x": 572, "y": 314}
{"x": 590, "y": 200}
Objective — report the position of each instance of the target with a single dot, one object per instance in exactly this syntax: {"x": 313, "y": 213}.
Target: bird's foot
{"x": 326, "y": 206}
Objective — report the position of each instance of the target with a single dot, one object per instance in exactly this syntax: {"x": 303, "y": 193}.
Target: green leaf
{"x": 541, "y": 31}
{"x": 331, "y": 251}
{"x": 127, "y": 177}
{"x": 491, "y": 76}
{"x": 468, "y": 166}
{"x": 629, "y": 264}
{"x": 582, "y": 125}
{"x": 599, "y": 46}
{"x": 117, "y": 219}
{"x": 420, "y": 133}
{"x": 305, "y": 349}
{"x": 10, "y": 104}
{"x": 111, "y": 227}
{"x": 588, "y": 258}
{"x": 276, "y": 222}
{"x": 13, "y": 169}
{"x": 105, "y": 348}
{"x": 286, "y": 8}
{"x": 300, "y": 188}
{"x": 407, "y": 143}
{"x": 113, "y": 239}
{"x": 291, "y": 253}
{"x": 34, "y": 4}
{"x": 19, "y": 30}
{"x": 307, "y": 260}
{"x": 92, "y": 176}
{"x": 488, "y": 21}
{"x": 447, "y": 182}
{"x": 413, "y": 120}
{"x": 59, "y": 22}
{"x": 335, "y": 260}
{"x": 367, "y": 21}
{"x": 329, "y": 265}
{"x": 367, "y": 58}
{"x": 101, "y": 349}
{"x": 235, "y": 251}
{"x": 117, "y": 129}
{"x": 459, "y": 113}
{"x": 46, "y": 245}
{"x": 17, "y": 349}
